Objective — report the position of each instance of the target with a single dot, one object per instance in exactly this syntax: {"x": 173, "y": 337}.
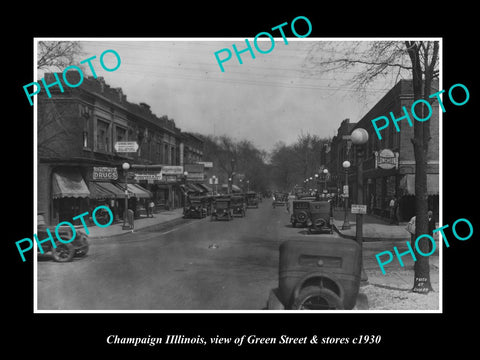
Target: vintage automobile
{"x": 320, "y": 217}
{"x": 252, "y": 199}
{"x": 279, "y": 199}
{"x": 63, "y": 252}
{"x": 222, "y": 209}
{"x": 238, "y": 204}
{"x": 196, "y": 207}
{"x": 319, "y": 274}
{"x": 301, "y": 212}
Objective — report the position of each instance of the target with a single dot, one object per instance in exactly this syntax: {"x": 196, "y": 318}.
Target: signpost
{"x": 126, "y": 146}
{"x": 359, "y": 209}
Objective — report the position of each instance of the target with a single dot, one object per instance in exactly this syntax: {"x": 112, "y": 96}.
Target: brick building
{"x": 380, "y": 185}
{"x": 78, "y": 166}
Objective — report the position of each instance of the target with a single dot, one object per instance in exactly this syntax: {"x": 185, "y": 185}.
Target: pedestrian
{"x": 411, "y": 229}
{"x": 130, "y": 219}
{"x": 288, "y": 205}
{"x": 393, "y": 209}
{"x": 150, "y": 207}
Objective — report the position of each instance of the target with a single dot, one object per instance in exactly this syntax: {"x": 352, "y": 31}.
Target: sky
{"x": 267, "y": 99}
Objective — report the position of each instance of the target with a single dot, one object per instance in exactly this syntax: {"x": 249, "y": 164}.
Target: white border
{"x": 307, "y": 312}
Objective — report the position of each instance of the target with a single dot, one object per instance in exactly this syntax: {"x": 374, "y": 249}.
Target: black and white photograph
{"x": 224, "y": 180}
{"x": 263, "y": 174}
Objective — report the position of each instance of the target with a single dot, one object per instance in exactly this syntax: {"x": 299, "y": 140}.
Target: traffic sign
{"x": 359, "y": 209}
{"x": 126, "y": 146}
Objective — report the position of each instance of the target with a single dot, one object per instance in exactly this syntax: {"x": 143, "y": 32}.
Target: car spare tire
{"x": 317, "y": 298}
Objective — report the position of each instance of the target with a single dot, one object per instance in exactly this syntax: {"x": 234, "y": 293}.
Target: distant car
{"x": 238, "y": 205}
{"x": 196, "y": 208}
{"x": 252, "y": 199}
{"x": 320, "y": 217}
{"x": 222, "y": 209}
{"x": 279, "y": 199}
{"x": 301, "y": 212}
{"x": 62, "y": 252}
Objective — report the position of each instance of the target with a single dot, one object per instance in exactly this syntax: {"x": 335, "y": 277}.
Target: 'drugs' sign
{"x": 104, "y": 173}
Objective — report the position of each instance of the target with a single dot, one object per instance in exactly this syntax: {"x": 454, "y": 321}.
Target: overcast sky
{"x": 267, "y": 99}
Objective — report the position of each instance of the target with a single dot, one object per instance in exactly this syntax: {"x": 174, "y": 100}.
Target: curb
{"x": 171, "y": 222}
{"x": 366, "y": 238}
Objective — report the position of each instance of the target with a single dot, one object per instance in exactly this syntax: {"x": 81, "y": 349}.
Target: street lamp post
{"x": 359, "y": 138}
{"x": 325, "y": 173}
{"x": 125, "y": 167}
{"x": 185, "y": 174}
{"x": 346, "y": 222}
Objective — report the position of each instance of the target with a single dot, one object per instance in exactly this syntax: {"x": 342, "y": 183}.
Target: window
{"x": 103, "y": 138}
{"x": 121, "y": 133}
{"x": 86, "y": 126}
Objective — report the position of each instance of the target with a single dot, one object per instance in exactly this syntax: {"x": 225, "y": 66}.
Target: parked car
{"x": 317, "y": 274}
{"x": 320, "y": 217}
{"x": 238, "y": 205}
{"x": 196, "y": 207}
{"x": 252, "y": 199}
{"x": 222, "y": 209}
{"x": 63, "y": 252}
{"x": 301, "y": 212}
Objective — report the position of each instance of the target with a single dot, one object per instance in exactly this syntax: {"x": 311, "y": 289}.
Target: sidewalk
{"x": 374, "y": 228}
{"x": 115, "y": 229}
{"x": 389, "y": 291}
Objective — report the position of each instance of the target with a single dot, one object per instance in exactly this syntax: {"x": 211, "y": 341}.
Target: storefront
{"x": 69, "y": 193}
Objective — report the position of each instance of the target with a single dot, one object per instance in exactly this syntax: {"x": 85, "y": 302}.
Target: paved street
{"x": 198, "y": 264}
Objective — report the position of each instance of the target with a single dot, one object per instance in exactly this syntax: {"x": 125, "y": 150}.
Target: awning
{"x": 117, "y": 190}
{"x": 139, "y": 192}
{"x": 407, "y": 183}
{"x": 195, "y": 188}
{"x": 207, "y": 188}
{"x": 98, "y": 192}
{"x": 68, "y": 182}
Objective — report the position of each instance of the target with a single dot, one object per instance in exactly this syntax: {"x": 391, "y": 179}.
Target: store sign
{"x": 104, "y": 173}
{"x": 148, "y": 175}
{"x": 206, "y": 164}
{"x": 195, "y": 176}
{"x": 194, "y": 168}
{"x": 172, "y": 170}
{"x": 386, "y": 159}
{"x": 345, "y": 190}
{"x": 170, "y": 178}
{"x": 126, "y": 146}
{"x": 359, "y": 209}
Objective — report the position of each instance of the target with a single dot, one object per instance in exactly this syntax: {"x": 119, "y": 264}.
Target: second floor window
{"x": 103, "y": 138}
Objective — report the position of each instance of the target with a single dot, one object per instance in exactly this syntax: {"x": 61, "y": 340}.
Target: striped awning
{"x": 139, "y": 191}
{"x": 68, "y": 182}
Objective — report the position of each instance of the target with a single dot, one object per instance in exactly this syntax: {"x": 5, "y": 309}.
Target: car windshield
{"x": 221, "y": 204}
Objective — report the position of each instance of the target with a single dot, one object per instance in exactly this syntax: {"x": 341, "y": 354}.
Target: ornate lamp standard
{"x": 346, "y": 222}
{"x": 125, "y": 167}
{"x": 359, "y": 138}
{"x": 325, "y": 173}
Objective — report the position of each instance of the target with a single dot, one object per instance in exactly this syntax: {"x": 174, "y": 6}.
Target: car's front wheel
{"x": 63, "y": 252}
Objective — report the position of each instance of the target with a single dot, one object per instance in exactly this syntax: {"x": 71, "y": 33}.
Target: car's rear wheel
{"x": 63, "y": 252}
{"x": 317, "y": 298}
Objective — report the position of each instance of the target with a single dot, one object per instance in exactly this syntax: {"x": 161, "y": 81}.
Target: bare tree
{"x": 57, "y": 55}
{"x": 391, "y": 59}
